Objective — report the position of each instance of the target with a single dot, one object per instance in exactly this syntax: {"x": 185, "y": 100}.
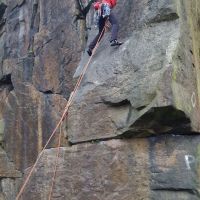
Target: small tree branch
{"x": 87, "y": 8}
{"x": 81, "y": 11}
{"x": 81, "y": 4}
{"x": 78, "y": 6}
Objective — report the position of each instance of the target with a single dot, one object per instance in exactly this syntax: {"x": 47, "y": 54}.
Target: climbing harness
{"x": 59, "y": 124}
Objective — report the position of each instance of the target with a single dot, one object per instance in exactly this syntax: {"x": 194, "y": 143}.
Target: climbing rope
{"x": 56, "y": 163}
{"x": 57, "y": 158}
{"x": 69, "y": 103}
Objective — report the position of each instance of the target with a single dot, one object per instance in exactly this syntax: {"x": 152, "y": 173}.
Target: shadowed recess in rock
{"x": 6, "y": 81}
{"x": 160, "y": 120}
{"x": 2, "y": 9}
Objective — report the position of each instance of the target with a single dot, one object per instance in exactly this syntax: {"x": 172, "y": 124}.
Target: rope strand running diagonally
{"x": 56, "y": 163}
{"x": 69, "y": 103}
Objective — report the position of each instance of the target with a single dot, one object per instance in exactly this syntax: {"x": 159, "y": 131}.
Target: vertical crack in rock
{"x": 2, "y": 11}
{"x": 34, "y": 27}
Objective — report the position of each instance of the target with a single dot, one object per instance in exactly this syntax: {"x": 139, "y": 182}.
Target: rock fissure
{"x": 163, "y": 119}
{"x": 178, "y": 190}
{"x": 95, "y": 141}
{"x": 159, "y": 18}
{"x": 116, "y": 104}
{"x": 3, "y": 7}
{"x": 6, "y": 82}
{"x": 48, "y": 92}
{"x": 33, "y": 28}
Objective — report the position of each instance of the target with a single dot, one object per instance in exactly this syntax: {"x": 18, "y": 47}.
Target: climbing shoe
{"x": 89, "y": 51}
{"x": 115, "y": 43}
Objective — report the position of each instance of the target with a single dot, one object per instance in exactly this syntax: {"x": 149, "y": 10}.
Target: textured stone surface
{"x": 38, "y": 49}
{"x": 184, "y": 75}
{"x": 56, "y": 47}
{"x": 194, "y": 22}
{"x": 150, "y": 85}
{"x": 160, "y": 168}
{"x": 32, "y": 116}
{"x": 7, "y": 168}
{"x": 29, "y": 113}
{"x": 9, "y": 188}
{"x": 151, "y": 72}
{"x": 41, "y": 28}
{"x": 10, "y": 177}
{"x": 38, "y": 55}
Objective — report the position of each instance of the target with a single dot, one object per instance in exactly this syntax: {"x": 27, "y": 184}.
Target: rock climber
{"x": 103, "y": 8}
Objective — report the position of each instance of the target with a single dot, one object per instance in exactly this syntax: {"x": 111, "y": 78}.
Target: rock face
{"x": 150, "y": 77}
{"x": 39, "y": 51}
{"x": 163, "y": 167}
{"x": 10, "y": 177}
{"x": 136, "y": 112}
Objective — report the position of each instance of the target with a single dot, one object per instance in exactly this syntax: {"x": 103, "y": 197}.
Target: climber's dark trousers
{"x": 114, "y": 31}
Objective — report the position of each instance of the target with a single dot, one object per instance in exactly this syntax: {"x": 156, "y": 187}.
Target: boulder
{"x": 128, "y": 88}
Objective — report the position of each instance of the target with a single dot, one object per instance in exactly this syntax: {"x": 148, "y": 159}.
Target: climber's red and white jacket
{"x": 111, "y": 3}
